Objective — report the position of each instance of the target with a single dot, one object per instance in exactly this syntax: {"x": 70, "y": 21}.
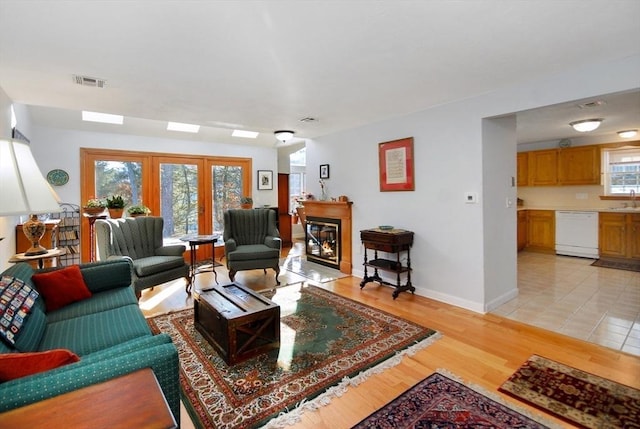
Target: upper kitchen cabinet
{"x": 523, "y": 169}
{"x": 579, "y": 166}
{"x": 560, "y": 167}
{"x": 543, "y": 167}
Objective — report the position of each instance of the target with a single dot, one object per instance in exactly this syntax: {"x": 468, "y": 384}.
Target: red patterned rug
{"x": 328, "y": 343}
{"x": 438, "y": 401}
{"x": 573, "y": 395}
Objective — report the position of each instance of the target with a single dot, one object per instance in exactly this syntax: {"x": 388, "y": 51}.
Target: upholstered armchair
{"x": 139, "y": 240}
{"x": 251, "y": 241}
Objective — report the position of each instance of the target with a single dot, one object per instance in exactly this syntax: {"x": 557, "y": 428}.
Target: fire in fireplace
{"x": 322, "y": 238}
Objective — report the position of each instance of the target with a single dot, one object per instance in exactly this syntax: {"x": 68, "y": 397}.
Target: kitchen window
{"x": 621, "y": 170}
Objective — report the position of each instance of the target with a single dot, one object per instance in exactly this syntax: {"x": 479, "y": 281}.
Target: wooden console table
{"x": 131, "y": 401}
{"x": 390, "y": 241}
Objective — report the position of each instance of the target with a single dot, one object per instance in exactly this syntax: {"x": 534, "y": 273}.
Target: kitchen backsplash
{"x": 579, "y": 197}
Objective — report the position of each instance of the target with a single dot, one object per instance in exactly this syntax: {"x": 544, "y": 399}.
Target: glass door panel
{"x": 227, "y": 190}
{"x": 179, "y": 191}
{"x": 122, "y": 178}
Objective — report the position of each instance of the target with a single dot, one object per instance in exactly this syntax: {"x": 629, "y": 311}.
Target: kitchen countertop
{"x": 584, "y": 209}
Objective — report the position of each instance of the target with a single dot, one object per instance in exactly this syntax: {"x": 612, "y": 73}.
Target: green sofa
{"x": 107, "y": 331}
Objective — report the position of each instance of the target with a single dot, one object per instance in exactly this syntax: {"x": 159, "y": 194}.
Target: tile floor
{"x": 567, "y": 295}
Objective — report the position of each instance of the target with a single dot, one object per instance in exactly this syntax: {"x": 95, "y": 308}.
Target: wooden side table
{"x": 200, "y": 240}
{"x": 51, "y": 253}
{"x": 132, "y": 401}
{"x": 390, "y": 241}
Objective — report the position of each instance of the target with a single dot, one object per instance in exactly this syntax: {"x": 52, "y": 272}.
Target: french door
{"x": 190, "y": 193}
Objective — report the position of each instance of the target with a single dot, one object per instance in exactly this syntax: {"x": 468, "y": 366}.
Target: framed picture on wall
{"x": 265, "y": 179}
{"x": 324, "y": 171}
{"x": 396, "y": 165}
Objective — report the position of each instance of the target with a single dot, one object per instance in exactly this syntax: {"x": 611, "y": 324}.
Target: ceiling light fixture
{"x": 586, "y": 125}
{"x": 627, "y": 134}
{"x": 283, "y": 135}
{"x": 105, "y": 118}
{"x": 185, "y": 128}
{"x": 245, "y": 134}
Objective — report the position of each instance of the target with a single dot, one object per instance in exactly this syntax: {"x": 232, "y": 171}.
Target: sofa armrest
{"x": 105, "y": 275}
{"x": 161, "y": 357}
{"x": 230, "y": 245}
{"x": 273, "y": 242}
{"x": 173, "y": 250}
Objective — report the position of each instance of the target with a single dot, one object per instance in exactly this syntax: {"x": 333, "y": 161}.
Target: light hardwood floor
{"x": 481, "y": 349}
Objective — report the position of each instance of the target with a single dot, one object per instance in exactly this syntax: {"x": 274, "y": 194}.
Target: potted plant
{"x": 138, "y": 210}
{"x": 94, "y": 206}
{"x": 246, "y": 202}
{"x": 115, "y": 204}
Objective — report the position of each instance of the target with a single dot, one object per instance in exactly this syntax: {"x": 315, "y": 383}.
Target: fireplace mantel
{"x": 335, "y": 210}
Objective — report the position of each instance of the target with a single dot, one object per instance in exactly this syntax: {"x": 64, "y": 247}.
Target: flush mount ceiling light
{"x": 283, "y": 135}
{"x": 245, "y": 134}
{"x": 185, "y": 128}
{"x": 105, "y": 118}
{"x": 627, "y": 134}
{"x": 586, "y": 125}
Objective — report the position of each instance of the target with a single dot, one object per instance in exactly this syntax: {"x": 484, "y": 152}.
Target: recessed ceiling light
{"x": 185, "y": 128}
{"x": 586, "y": 125}
{"x": 627, "y": 134}
{"x": 245, "y": 134}
{"x": 105, "y": 118}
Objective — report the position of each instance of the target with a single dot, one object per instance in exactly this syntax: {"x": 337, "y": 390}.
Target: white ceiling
{"x": 264, "y": 65}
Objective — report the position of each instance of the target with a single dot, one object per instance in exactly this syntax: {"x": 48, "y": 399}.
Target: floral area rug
{"x": 327, "y": 343}
{"x": 576, "y": 396}
{"x": 443, "y": 401}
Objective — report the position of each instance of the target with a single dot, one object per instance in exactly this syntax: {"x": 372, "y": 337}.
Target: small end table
{"x": 200, "y": 240}
{"x": 51, "y": 253}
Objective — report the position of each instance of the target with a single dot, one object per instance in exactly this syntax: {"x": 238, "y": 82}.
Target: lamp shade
{"x": 586, "y": 125}
{"x": 23, "y": 188}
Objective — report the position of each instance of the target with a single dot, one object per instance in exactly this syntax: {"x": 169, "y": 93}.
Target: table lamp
{"x": 24, "y": 190}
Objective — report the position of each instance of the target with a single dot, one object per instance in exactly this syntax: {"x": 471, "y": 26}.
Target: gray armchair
{"x": 139, "y": 240}
{"x": 251, "y": 241}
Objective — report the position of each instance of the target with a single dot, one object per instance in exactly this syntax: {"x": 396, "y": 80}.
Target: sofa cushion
{"x": 16, "y": 302}
{"x": 61, "y": 287}
{"x": 16, "y": 365}
{"x": 156, "y": 264}
{"x": 253, "y": 251}
{"x": 98, "y": 302}
{"x": 96, "y": 331}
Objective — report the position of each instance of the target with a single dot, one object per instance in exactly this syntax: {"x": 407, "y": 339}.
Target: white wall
{"x": 57, "y": 148}
{"x": 456, "y": 256}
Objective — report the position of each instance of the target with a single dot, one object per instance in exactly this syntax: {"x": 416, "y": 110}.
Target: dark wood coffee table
{"x": 238, "y": 322}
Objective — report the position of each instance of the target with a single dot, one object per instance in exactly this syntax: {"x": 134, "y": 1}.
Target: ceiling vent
{"x": 308, "y": 119}
{"x": 89, "y": 81}
{"x": 592, "y": 104}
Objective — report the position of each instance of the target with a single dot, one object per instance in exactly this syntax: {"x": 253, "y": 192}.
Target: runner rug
{"x": 576, "y": 396}
{"x": 631, "y": 265}
{"x": 327, "y": 343}
{"x": 443, "y": 401}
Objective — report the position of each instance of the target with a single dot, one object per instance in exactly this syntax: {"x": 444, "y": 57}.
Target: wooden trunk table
{"x": 238, "y": 322}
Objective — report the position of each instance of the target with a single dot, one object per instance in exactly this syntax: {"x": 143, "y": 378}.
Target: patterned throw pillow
{"x": 16, "y": 300}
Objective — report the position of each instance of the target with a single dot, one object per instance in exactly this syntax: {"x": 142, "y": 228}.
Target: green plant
{"x": 95, "y": 203}
{"x": 138, "y": 209}
{"x": 246, "y": 200}
{"x": 115, "y": 202}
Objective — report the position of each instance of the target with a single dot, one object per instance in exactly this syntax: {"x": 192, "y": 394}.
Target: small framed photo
{"x": 265, "y": 179}
{"x": 324, "y": 171}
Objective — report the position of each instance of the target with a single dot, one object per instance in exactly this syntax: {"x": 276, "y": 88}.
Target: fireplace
{"x": 322, "y": 238}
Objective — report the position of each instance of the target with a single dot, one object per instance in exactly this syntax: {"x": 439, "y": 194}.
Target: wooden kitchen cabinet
{"x": 541, "y": 230}
{"x": 579, "y": 166}
{"x": 523, "y": 168}
{"x": 542, "y": 167}
{"x": 522, "y": 229}
{"x": 619, "y": 235}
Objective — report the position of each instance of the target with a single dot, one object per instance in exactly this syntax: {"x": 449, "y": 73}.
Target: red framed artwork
{"x": 396, "y": 165}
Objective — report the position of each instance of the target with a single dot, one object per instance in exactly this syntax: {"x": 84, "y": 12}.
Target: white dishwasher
{"x": 577, "y": 233}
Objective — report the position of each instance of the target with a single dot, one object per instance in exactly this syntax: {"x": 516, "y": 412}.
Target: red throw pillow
{"x": 16, "y": 365}
{"x": 61, "y": 287}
